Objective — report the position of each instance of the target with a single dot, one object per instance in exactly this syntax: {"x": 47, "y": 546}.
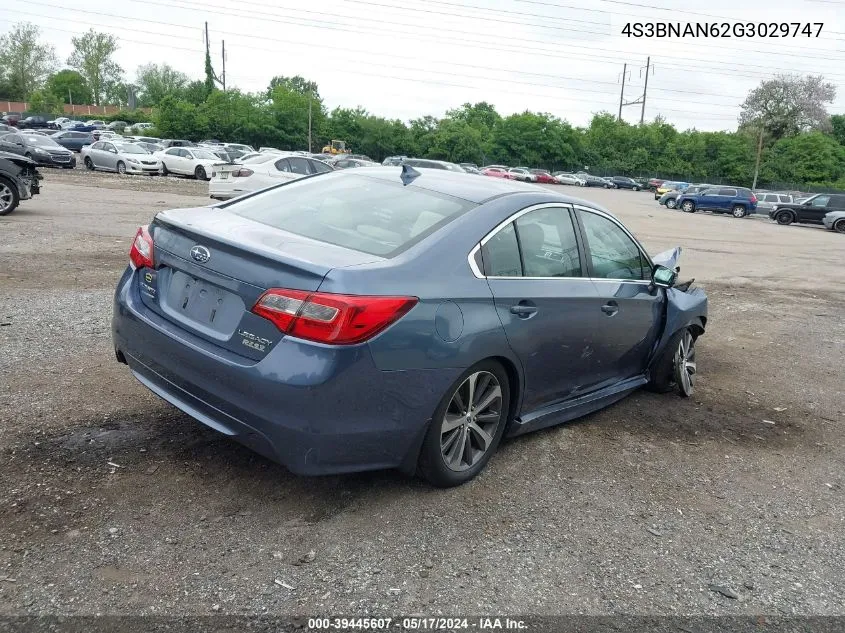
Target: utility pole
{"x": 645, "y": 88}
{"x": 310, "y": 92}
{"x": 757, "y": 163}
{"x": 223, "y": 77}
{"x": 622, "y": 92}
{"x": 70, "y": 98}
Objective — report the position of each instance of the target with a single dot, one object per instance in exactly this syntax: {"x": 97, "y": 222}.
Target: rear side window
{"x": 501, "y": 254}
{"x": 283, "y": 165}
{"x": 299, "y": 166}
{"x": 364, "y": 214}
{"x": 319, "y": 168}
{"x": 837, "y": 202}
{"x": 727, "y": 192}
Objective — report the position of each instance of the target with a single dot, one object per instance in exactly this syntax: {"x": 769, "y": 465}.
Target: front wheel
{"x": 688, "y": 206}
{"x": 676, "y": 367}
{"x": 738, "y": 211}
{"x": 164, "y": 171}
{"x": 671, "y": 203}
{"x": 121, "y": 167}
{"x": 636, "y": 188}
{"x": 839, "y": 226}
{"x": 9, "y": 197}
{"x": 89, "y": 164}
{"x": 199, "y": 172}
{"x": 467, "y": 426}
{"x": 784, "y": 218}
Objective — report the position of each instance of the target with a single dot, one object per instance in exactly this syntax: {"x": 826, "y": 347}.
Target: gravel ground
{"x": 729, "y": 503}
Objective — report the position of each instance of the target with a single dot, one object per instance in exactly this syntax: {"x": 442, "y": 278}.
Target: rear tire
{"x": 784, "y": 218}
{"x": 199, "y": 173}
{"x": 738, "y": 211}
{"x": 9, "y": 196}
{"x": 452, "y": 451}
{"x": 839, "y": 226}
{"x": 671, "y": 203}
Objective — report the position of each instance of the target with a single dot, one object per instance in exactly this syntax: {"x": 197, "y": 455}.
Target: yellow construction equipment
{"x": 336, "y": 147}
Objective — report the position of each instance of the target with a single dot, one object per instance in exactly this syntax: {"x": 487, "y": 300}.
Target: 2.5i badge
{"x": 148, "y": 284}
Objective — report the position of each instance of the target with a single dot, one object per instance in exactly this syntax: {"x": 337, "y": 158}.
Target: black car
{"x": 18, "y": 181}
{"x": 810, "y": 211}
{"x": 622, "y": 182}
{"x": 171, "y": 142}
{"x": 73, "y": 140}
{"x": 34, "y": 122}
{"x": 38, "y": 147}
{"x": 593, "y": 181}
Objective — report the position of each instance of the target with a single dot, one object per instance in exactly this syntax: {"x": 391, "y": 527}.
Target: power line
{"x": 347, "y": 49}
{"x": 699, "y": 115}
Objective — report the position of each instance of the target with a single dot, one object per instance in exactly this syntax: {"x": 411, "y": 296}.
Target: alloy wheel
{"x": 839, "y": 226}
{"x": 739, "y": 211}
{"x": 685, "y": 367}
{"x": 784, "y": 217}
{"x": 121, "y": 168}
{"x": 471, "y": 421}
{"x": 671, "y": 203}
{"x": 7, "y": 197}
{"x": 688, "y": 206}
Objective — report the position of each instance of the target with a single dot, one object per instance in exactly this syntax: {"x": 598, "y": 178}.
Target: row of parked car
{"x": 783, "y": 207}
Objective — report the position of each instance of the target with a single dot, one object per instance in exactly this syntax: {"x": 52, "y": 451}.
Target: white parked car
{"x": 239, "y": 146}
{"x": 188, "y": 161}
{"x": 570, "y": 179}
{"x": 59, "y": 122}
{"x": 517, "y": 173}
{"x": 258, "y": 172}
{"x": 124, "y": 158}
{"x": 269, "y": 149}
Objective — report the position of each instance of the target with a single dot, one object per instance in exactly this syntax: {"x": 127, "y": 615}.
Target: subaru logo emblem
{"x": 200, "y": 254}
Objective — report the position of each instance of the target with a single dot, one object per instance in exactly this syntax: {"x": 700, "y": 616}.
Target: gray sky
{"x": 409, "y": 58}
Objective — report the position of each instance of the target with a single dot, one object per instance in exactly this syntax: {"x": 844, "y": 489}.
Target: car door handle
{"x": 524, "y": 310}
{"x": 610, "y": 308}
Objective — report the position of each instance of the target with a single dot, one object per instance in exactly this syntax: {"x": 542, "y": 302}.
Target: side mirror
{"x": 663, "y": 277}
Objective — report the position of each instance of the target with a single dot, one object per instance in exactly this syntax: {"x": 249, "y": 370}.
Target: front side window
{"x": 819, "y": 201}
{"x": 547, "y": 243}
{"x": 614, "y": 255}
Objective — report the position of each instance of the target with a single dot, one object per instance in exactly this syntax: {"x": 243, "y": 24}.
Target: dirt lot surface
{"x": 114, "y": 502}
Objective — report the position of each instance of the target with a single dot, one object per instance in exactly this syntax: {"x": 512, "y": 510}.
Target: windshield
{"x": 204, "y": 154}
{"x": 42, "y": 141}
{"x": 261, "y": 158}
{"x": 129, "y": 148}
{"x": 364, "y": 214}
{"x": 453, "y": 167}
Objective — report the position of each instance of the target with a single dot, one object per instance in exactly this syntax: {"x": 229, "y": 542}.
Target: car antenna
{"x": 408, "y": 175}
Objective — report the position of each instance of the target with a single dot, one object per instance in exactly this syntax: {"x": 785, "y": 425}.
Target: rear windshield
{"x": 364, "y": 214}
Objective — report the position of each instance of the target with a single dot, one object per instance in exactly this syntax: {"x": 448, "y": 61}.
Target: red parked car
{"x": 496, "y": 172}
{"x": 654, "y": 183}
{"x": 544, "y": 177}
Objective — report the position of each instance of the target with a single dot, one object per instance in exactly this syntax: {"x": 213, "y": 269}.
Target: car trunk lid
{"x": 211, "y": 266}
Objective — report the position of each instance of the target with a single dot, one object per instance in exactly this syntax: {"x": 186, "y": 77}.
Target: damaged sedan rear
{"x": 19, "y": 180}
{"x": 394, "y": 318}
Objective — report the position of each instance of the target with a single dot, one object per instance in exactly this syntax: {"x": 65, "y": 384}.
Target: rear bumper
{"x": 224, "y": 189}
{"x": 316, "y": 409}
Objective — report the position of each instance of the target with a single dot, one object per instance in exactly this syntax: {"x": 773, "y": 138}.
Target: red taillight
{"x": 753, "y": 198}
{"x": 330, "y": 318}
{"x": 242, "y": 173}
{"x": 141, "y": 253}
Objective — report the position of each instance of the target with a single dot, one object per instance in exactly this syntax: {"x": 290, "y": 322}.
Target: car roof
{"x": 464, "y": 186}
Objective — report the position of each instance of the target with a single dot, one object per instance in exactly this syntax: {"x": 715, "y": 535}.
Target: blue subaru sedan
{"x": 390, "y": 318}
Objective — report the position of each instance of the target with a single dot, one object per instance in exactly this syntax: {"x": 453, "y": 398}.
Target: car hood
{"x": 788, "y": 205}
{"x": 17, "y": 158}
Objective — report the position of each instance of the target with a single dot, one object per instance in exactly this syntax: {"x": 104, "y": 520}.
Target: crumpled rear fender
{"x": 683, "y": 309}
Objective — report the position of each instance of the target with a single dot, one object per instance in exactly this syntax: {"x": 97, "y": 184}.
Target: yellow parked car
{"x": 669, "y": 185}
